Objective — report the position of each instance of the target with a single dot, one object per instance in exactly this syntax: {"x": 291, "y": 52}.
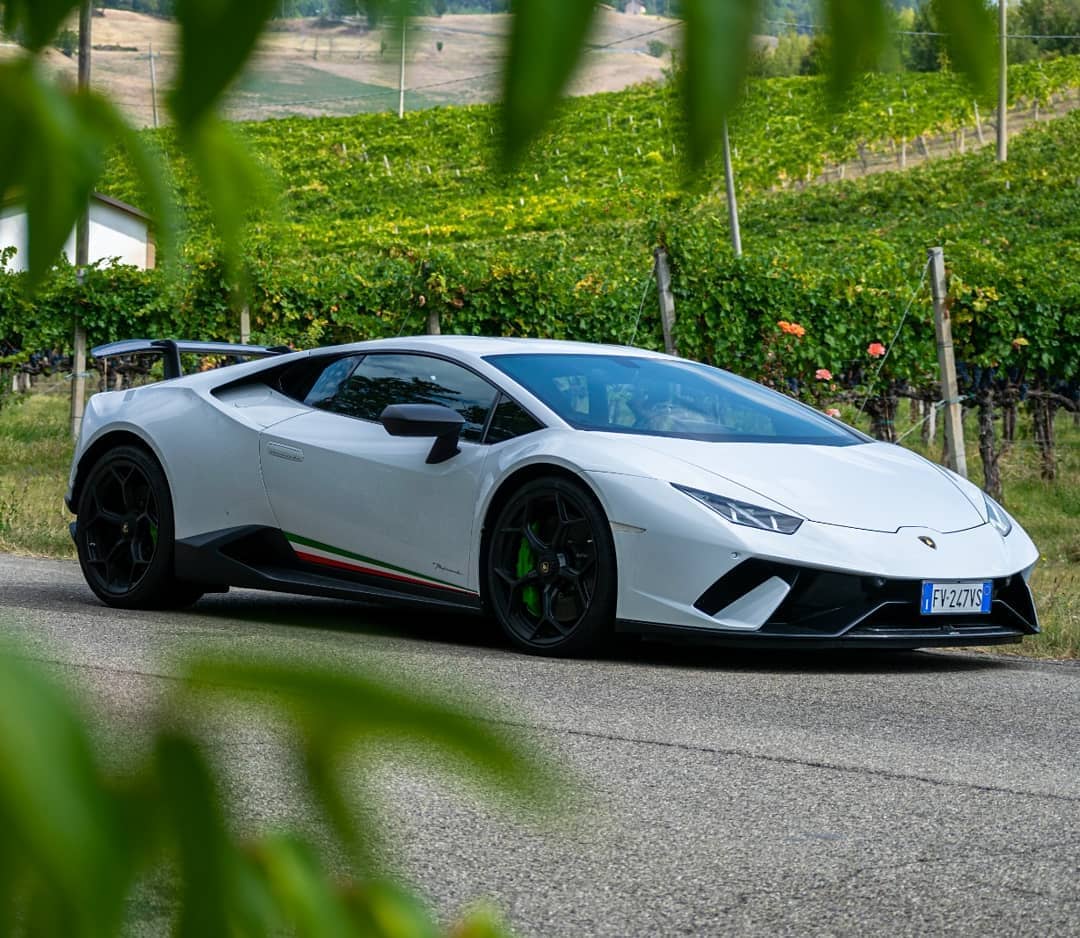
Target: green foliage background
{"x": 382, "y": 220}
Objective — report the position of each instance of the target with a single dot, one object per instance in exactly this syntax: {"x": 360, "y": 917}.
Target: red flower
{"x": 823, "y": 374}
{"x": 875, "y": 350}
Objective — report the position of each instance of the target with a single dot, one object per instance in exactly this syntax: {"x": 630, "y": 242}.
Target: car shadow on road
{"x": 478, "y": 634}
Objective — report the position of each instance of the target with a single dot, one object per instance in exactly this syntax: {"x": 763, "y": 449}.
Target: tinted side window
{"x": 381, "y": 380}
{"x": 510, "y": 420}
{"x": 327, "y": 385}
{"x": 298, "y": 380}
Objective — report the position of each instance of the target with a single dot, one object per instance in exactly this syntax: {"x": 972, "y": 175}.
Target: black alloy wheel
{"x": 124, "y": 533}
{"x": 551, "y": 571}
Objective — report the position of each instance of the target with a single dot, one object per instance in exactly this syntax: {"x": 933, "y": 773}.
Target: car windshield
{"x": 668, "y": 398}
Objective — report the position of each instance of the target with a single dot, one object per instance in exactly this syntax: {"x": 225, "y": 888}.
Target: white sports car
{"x": 570, "y": 490}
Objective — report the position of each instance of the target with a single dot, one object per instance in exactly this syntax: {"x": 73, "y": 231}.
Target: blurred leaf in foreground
{"x": 77, "y": 837}
{"x": 35, "y": 21}
{"x": 546, "y": 41}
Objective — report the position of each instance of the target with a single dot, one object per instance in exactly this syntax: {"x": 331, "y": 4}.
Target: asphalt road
{"x": 713, "y": 792}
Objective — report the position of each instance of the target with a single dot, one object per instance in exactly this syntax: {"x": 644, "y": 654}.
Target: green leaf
{"x": 233, "y": 185}
{"x": 54, "y": 806}
{"x": 205, "y": 856}
{"x": 100, "y": 113}
{"x": 858, "y": 30}
{"x": 359, "y": 708}
{"x": 36, "y": 21}
{"x": 216, "y": 39}
{"x": 546, "y": 41}
{"x": 301, "y": 887}
{"x": 53, "y": 161}
{"x": 382, "y": 909}
{"x": 56, "y": 141}
{"x": 970, "y": 37}
{"x": 482, "y": 921}
{"x": 323, "y": 750}
{"x": 717, "y": 49}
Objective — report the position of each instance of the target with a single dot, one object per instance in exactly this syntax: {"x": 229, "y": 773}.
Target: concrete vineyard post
{"x": 955, "y": 454}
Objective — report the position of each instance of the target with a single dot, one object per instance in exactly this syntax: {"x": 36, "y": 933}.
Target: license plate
{"x": 953, "y": 598}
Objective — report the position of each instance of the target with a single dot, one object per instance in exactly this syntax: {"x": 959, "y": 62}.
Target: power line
{"x": 651, "y": 32}
{"x": 457, "y": 81}
{"x": 440, "y": 84}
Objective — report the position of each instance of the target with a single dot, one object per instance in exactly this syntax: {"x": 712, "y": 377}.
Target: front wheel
{"x": 125, "y": 532}
{"x": 551, "y": 569}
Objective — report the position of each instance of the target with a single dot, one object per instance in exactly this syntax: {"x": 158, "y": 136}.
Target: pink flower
{"x": 875, "y": 350}
{"x": 823, "y": 374}
{"x": 833, "y": 412}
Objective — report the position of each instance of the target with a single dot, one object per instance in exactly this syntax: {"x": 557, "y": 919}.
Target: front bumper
{"x": 830, "y": 609}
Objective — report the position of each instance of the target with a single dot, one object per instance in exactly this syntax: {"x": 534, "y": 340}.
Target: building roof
{"x": 99, "y": 197}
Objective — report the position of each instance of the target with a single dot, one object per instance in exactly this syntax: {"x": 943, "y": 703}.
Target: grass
{"x": 35, "y": 455}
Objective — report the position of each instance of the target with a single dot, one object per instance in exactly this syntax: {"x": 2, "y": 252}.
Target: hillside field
{"x": 306, "y": 67}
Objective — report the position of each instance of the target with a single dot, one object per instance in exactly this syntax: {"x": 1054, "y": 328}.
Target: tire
{"x": 550, "y": 569}
{"x": 125, "y": 534}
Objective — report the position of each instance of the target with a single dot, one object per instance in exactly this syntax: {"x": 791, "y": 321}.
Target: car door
{"x": 351, "y": 497}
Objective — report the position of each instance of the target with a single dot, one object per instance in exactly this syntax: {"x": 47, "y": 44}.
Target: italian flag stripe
{"x": 329, "y": 556}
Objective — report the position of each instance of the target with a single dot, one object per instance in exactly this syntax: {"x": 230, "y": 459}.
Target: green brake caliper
{"x": 153, "y": 533}
{"x": 526, "y": 563}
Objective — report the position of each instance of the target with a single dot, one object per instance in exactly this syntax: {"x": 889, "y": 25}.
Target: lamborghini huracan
{"x": 568, "y": 490}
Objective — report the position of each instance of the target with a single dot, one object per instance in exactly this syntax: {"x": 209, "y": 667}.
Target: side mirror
{"x": 426, "y": 420}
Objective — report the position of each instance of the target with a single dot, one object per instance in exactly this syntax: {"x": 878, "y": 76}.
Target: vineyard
{"x": 382, "y": 222}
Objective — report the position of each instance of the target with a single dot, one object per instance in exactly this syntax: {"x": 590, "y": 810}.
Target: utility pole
{"x": 82, "y": 243}
{"x": 1003, "y": 84}
{"x": 401, "y": 75}
{"x": 732, "y": 206}
{"x": 667, "y": 300}
{"x": 955, "y": 454}
{"x": 153, "y": 84}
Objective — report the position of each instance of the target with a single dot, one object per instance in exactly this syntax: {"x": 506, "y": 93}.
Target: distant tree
{"x": 67, "y": 41}
{"x": 789, "y": 57}
{"x": 922, "y": 53}
{"x": 1050, "y": 18}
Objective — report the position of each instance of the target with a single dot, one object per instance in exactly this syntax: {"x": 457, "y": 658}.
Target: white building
{"x": 118, "y": 231}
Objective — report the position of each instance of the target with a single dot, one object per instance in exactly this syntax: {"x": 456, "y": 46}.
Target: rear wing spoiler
{"x": 172, "y": 349}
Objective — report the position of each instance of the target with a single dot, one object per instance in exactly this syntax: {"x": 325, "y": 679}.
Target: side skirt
{"x": 255, "y": 557}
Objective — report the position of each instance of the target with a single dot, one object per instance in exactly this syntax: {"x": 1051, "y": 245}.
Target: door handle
{"x": 281, "y": 450}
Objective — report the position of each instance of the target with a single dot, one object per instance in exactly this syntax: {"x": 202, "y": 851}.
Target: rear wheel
{"x": 125, "y": 533}
{"x": 551, "y": 570}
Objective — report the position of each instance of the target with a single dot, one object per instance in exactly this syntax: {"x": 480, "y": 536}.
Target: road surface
{"x": 709, "y": 792}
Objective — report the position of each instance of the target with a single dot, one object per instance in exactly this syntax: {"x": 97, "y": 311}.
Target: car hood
{"x": 871, "y": 486}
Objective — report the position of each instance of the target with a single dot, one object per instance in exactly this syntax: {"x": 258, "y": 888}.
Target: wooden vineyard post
{"x": 82, "y": 247}
{"x": 667, "y": 301}
{"x": 955, "y": 454}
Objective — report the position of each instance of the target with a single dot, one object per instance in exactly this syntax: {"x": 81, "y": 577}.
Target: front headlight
{"x": 750, "y": 516}
{"x": 997, "y": 516}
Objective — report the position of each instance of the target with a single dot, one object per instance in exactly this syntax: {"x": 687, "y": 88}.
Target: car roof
{"x": 483, "y": 346}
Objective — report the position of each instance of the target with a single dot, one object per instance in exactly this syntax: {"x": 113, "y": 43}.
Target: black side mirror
{"x": 426, "y": 420}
